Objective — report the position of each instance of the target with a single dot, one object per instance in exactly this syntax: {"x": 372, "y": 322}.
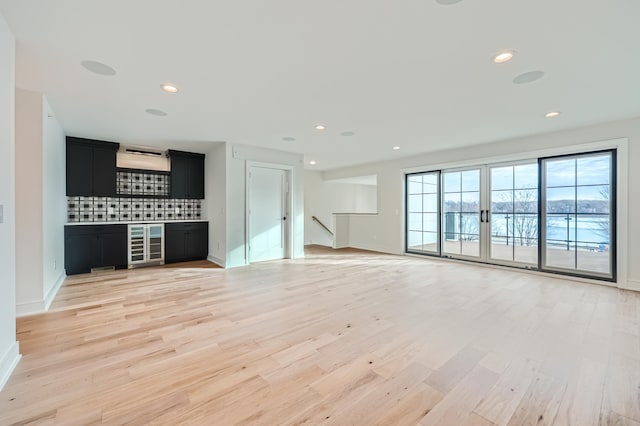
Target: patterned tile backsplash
{"x": 106, "y": 209}
{"x": 139, "y": 183}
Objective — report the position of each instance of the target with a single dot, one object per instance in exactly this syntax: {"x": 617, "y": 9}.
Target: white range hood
{"x": 143, "y": 158}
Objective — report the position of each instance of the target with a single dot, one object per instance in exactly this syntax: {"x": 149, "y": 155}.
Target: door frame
{"x": 288, "y": 204}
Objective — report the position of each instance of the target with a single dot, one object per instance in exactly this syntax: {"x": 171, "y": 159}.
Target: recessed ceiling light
{"x": 347, "y": 133}
{"x": 552, "y": 114}
{"x": 528, "y": 77}
{"x": 447, "y": 2}
{"x": 98, "y": 68}
{"x": 504, "y": 56}
{"x": 170, "y": 88}
{"x": 396, "y": 148}
{"x": 320, "y": 127}
{"x": 155, "y": 111}
{"x": 289, "y": 139}
{"x": 312, "y": 162}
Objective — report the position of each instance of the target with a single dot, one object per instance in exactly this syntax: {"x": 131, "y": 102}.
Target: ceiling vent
{"x": 143, "y": 158}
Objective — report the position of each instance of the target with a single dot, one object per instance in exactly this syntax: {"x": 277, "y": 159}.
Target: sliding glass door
{"x": 552, "y": 214}
{"x": 461, "y": 230}
{"x": 423, "y": 211}
{"x": 578, "y": 221}
{"x": 513, "y": 216}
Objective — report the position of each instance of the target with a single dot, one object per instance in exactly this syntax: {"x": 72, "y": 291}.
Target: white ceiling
{"x": 411, "y": 73}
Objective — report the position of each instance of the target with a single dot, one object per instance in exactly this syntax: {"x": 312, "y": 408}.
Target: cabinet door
{"x": 79, "y": 169}
{"x": 114, "y": 250}
{"x": 195, "y": 188}
{"x": 79, "y": 253}
{"x": 179, "y": 178}
{"x": 104, "y": 172}
{"x": 175, "y": 245}
{"x": 198, "y": 244}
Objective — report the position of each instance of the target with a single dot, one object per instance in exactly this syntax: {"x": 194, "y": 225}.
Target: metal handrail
{"x": 315, "y": 219}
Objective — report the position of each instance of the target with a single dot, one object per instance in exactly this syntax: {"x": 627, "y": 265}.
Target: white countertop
{"x": 134, "y": 222}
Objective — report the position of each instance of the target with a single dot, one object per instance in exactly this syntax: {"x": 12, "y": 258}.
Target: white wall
{"x": 385, "y": 233}
{"x": 29, "y": 179}
{"x": 324, "y": 198}
{"x": 40, "y": 203}
{"x": 215, "y": 200}
{"x": 9, "y": 353}
{"x": 237, "y": 158}
{"x": 54, "y": 207}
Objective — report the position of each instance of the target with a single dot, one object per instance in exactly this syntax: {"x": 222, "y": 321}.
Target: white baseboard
{"x": 630, "y": 285}
{"x": 35, "y": 307}
{"x": 54, "y": 291}
{"x": 30, "y": 308}
{"x": 215, "y": 260}
{"x": 8, "y": 363}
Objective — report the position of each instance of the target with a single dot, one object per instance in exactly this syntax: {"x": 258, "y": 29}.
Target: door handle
{"x": 482, "y": 216}
{"x": 488, "y": 218}
{"x": 284, "y": 218}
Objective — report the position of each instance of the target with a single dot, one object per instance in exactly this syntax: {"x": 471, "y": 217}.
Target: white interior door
{"x": 267, "y": 214}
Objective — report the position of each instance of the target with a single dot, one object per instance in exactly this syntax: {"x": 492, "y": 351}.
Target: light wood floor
{"x": 341, "y": 337}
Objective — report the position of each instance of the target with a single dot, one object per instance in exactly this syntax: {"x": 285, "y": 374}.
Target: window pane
{"x": 594, "y": 170}
{"x": 430, "y": 183}
{"x": 526, "y": 176}
{"x": 452, "y": 202}
{"x": 430, "y": 222}
{"x": 470, "y": 202}
{"x": 561, "y": 172}
{"x": 414, "y": 184}
{"x": 451, "y": 244}
{"x": 594, "y": 260}
{"x": 593, "y": 199}
{"x": 415, "y": 222}
{"x": 470, "y": 245}
{"x": 501, "y": 178}
{"x": 593, "y": 229}
{"x": 525, "y": 229}
{"x": 430, "y": 203}
{"x": 470, "y": 224}
{"x": 414, "y": 204}
{"x": 414, "y": 240}
{"x": 501, "y": 201}
{"x": 451, "y": 182}
{"x": 561, "y": 200}
{"x": 430, "y": 241}
{"x": 525, "y": 201}
{"x": 471, "y": 180}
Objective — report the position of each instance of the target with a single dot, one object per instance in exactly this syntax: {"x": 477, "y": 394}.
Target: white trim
{"x": 30, "y": 308}
{"x": 290, "y": 202}
{"x": 54, "y": 291}
{"x": 631, "y": 285}
{"x": 523, "y": 155}
{"x": 8, "y": 363}
{"x": 215, "y": 260}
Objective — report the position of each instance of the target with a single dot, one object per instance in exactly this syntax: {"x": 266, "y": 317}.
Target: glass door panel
{"x": 423, "y": 213}
{"x": 461, "y": 213}
{"x": 514, "y": 213}
{"x": 577, "y": 211}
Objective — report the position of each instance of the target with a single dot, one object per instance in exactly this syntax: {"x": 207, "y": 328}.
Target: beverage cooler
{"x": 146, "y": 244}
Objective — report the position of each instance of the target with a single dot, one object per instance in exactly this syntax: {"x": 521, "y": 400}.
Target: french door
{"x": 552, "y": 214}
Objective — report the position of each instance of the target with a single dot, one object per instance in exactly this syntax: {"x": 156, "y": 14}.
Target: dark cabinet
{"x": 91, "y": 167}
{"x": 187, "y": 175}
{"x": 186, "y": 241}
{"x": 94, "y": 246}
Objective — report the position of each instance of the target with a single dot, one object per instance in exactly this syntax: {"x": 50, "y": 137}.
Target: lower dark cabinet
{"x": 186, "y": 241}
{"x": 94, "y": 246}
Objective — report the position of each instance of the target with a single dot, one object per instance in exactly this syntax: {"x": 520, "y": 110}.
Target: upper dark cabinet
{"x": 187, "y": 175}
{"x": 91, "y": 167}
